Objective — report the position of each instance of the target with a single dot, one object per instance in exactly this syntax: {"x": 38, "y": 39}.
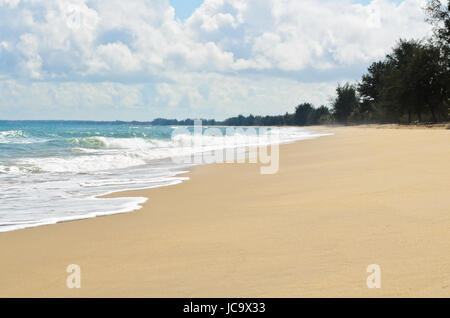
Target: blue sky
{"x": 184, "y": 8}
{"x": 138, "y": 60}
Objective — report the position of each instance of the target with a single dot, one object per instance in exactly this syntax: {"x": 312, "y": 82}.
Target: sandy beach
{"x": 338, "y": 204}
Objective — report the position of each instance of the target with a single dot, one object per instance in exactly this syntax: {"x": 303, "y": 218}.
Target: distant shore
{"x": 190, "y": 122}
{"x": 338, "y": 204}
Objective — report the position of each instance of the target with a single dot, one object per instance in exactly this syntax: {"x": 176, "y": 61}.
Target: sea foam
{"x": 51, "y": 174}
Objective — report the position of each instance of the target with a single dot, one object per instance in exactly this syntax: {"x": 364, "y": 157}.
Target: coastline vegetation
{"x": 410, "y": 85}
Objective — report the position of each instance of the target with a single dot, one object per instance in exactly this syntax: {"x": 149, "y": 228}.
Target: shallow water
{"x": 54, "y": 171}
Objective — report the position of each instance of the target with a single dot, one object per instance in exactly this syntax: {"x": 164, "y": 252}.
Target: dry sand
{"x": 339, "y": 203}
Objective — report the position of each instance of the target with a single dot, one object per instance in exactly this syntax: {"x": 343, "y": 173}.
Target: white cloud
{"x": 9, "y": 3}
{"x": 249, "y": 55}
{"x": 68, "y": 97}
{"x": 115, "y": 57}
{"x": 193, "y": 93}
{"x": 32, "y": 62}
{"x": 293, "y": 35}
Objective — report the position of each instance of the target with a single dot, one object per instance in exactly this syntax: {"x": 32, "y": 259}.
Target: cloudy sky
{"x": 142, "y": 59}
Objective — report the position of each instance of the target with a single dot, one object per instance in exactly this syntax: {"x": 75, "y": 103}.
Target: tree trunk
{"x": 433, "y": 114}
{"x": 419, "y": 115}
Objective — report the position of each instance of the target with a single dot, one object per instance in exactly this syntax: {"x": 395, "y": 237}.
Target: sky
{"x": 144, "y": 59}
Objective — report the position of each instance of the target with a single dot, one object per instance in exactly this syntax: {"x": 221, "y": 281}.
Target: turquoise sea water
{"x": 54, "y": 171}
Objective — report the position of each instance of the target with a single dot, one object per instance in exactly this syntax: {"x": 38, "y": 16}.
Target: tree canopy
{"x": 411, "y": 83}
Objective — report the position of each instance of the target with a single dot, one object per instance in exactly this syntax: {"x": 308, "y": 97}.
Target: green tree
{"x": 399, "y": 83}
{"x": 370, "y": 88}
{"x": 345, "y": 103}
{"x": 415, "y": 82}
{"x": 319, "y": 115}
{"x": 432, "y": 81}
{"x": 302, "y": 114}
{"x": 438, "y": 14}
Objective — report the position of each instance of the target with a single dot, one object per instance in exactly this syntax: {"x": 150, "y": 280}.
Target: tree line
{"x": 410, "y": 84}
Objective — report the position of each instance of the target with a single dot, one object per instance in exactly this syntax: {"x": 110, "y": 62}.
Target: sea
{"x": 55, "y": 171}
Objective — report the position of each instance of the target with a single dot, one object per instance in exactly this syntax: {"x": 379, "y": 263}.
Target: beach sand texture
{"x": 338, "y": 203}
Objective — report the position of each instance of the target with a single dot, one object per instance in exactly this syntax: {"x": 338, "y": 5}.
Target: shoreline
{"x": 177, "y": 173}
{"x": 233, "y": 233}
{"x": 138, "y": 205}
